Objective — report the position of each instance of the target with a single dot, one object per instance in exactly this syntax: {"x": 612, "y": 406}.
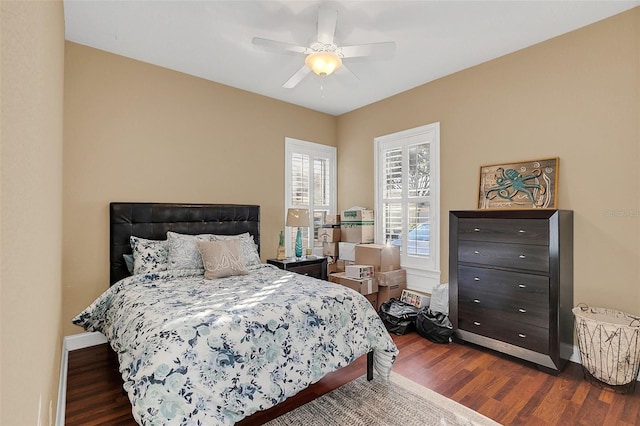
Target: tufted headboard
{"x": 153, "y": 220}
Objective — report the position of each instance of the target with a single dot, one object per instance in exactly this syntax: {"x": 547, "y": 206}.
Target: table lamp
{"x": 298, "y": 218}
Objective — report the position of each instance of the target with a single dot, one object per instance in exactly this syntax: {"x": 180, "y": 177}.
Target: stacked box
{"x": 385, "y": 260}
{"x": 329, "y": 235}
{"x": 342, "y": 264}
{"x": 332, "y": 220}
{"x": 359, "y": 271}
{"x": 357, "y": 226}
{"x": 393, "y": 291}
{"x": 373, "y": 298}
{"x": 347, "y": 251}
{"x": 383, "y": 257}
{"x": 363, "y": 286}
{"x": 330, "y": 249}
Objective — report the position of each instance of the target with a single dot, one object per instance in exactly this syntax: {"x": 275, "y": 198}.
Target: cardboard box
{"x": 341, "y": 264}
{"x": 357, "y": 233}
{"x": 415, "y": 298}
{"x": 383, "y": 257}
{"x": 387, "y": 293}
{"x": 399, "y": 276}
{"x": 330, "y": 249}
{"x": 332, "y": 219}
{"x": 329, "y": 235}
{"x": 373, "y": 298}
{"x": 359, "y": 271}
{"x": 363, "y": 286}
{"x": 357, "y": 215}
{"x": 347, "y": 251}
{"x": 357, "y": 226}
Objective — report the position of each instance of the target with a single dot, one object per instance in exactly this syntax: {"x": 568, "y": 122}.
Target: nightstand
{"x": 313, "y": 266}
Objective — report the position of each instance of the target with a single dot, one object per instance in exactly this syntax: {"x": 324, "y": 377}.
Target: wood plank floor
{"x": 508, "y": 390}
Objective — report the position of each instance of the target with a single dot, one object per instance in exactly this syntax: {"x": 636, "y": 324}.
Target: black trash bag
{"x": 434, "y": 326}
{"x": 398, "y": 317}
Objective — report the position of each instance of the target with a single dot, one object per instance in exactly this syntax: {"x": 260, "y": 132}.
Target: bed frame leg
{"x": 370, "y": 365}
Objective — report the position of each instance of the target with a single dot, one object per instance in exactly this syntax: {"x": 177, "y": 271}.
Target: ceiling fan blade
{"x": 279, "y": 45}
{"x": 297, "y": 77}
{"x": 345, "y": 71}
{"x": 385, "y": 48}
{"x": 327, "y": 20}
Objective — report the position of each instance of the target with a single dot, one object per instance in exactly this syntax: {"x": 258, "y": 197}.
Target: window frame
{"x": 422, "y": 271}
{"x": 297, "y": 146}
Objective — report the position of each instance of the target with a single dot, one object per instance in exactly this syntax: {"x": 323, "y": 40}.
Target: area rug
{"x": 398, "y": 402}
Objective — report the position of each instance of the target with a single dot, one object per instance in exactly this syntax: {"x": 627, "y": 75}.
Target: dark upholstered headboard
{"x": 153, "y": 220}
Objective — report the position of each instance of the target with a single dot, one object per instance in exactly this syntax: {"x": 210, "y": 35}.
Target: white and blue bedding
{"x": 204, "y": 352}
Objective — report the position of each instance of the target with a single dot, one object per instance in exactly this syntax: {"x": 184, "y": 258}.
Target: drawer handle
{"x": 522, "y": 256}
{"x": 476, "y": 300}
{"x": 476, "y": 252}
{"x": 522, "y": 286}
{"x": 522, "y": 231}
{"x": 476, "y": 323}
{"x": 524, "y": 311}
{"x": 522, "y": 335}
{"x": 476, "y": 278}
{"x": 476, "y": 229}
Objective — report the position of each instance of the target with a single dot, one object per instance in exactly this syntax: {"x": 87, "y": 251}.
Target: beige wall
{"x": 576, "y": 97}
{"x": 137, "y": 132}
{"x": 31, "y": 209}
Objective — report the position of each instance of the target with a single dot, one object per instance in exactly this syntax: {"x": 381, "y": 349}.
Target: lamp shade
{"x": 323, "y": 63}
{"x": 298, "y": 217}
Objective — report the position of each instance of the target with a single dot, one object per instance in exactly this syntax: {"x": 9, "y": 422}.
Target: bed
{"x": 204, "y": 351}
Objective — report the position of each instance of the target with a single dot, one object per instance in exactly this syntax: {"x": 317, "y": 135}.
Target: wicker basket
{"x": 609, "y": 344}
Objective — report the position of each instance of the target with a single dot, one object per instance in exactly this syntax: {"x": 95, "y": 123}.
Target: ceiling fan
{"x": 323, "y": 56}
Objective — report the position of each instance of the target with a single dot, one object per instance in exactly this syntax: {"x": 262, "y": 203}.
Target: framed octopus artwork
{"x": 519, "y": 185}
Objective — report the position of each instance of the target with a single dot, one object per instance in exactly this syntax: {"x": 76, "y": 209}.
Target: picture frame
{"x": 519, "y": 185}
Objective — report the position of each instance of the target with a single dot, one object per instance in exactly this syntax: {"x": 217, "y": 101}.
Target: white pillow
{"x": 183, "y": 251}
{"x": 149, "y": 256}
{"x": 248, "y": 247}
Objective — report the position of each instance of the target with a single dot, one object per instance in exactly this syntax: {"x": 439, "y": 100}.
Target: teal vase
{"x": 299, "y": 243}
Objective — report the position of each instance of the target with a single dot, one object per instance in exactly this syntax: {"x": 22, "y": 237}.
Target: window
{"x": 407, "y": 196}
{"x": 310, "y": 183}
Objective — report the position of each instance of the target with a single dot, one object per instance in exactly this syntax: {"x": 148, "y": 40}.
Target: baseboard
{"x": 72, "y": 343}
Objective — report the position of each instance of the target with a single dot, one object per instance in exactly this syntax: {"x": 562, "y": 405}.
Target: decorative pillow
{"x": 248, "y": 247}
{"x": 183, "y": 251}
{"x": 128, "y": 260}
{"x": 148, "y": 255}
{"x": 221, "y": 258}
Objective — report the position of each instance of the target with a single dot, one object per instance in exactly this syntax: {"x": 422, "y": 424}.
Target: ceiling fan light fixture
{"x": 323, "y": 63}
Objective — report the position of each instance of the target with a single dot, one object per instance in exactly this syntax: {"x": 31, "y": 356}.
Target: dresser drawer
{"x": 310, "y": 270}
{"x": 508, "y": 310}
{"x": 524, "y": 231}
{"x": 519, "y": 334}
{"x": 515, "y": 256}
{"x": 511, "y": 285}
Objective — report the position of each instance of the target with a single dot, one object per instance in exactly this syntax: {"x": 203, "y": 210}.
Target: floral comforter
{"x": 204, "y": 352}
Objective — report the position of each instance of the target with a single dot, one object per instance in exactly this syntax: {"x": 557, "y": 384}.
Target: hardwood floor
{"x": 508, "y": 390}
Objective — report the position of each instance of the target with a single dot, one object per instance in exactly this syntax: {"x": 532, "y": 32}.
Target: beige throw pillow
{"x": 221, "y": 258}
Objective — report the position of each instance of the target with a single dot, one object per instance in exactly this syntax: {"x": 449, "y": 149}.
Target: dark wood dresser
{"x": 511, "y": 282}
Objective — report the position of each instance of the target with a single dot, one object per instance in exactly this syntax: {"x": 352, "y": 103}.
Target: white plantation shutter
{"x": 310, "y": 183}
{"x": 407, "y": 197}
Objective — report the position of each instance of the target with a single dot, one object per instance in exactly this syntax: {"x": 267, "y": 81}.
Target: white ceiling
{"x": 212, "y": 39}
